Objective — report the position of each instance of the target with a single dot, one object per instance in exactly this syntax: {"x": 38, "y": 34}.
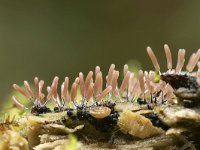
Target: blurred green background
{"x": 47, "y": 38}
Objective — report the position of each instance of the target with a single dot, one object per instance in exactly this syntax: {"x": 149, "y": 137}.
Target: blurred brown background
{"x": 46, "y": 38}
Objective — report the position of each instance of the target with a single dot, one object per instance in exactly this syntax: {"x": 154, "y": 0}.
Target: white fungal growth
{"x": 141, "y": 80}
{"x": 153, "y": 58}
{"x": 114, "y": 81}
{"x": 17, "y": 103}
{"x": 104, "y": 93}
{"x": 92, "y": 92}
{"x": 180, "y": 60}
{"x": 28, "y": 88}
{"x": 82, "y": 83}
{"x": 198, "y": 77}
{"x": 64, "y": 90}
{"x": 110, "y": 75}
{"x": 22, "y": 91}
{"x": 87, "y": 81}
{"x": 125, "y": 82}
{"x": 36, "y": 86}
{"x": 168, "y": 56}
{"x": 194, "y": 58}
{"x": 125, "y": 69}
{"x": 97, "y": 70}
{"x": 98, "y": 84}
{"x": 74, "y": 91}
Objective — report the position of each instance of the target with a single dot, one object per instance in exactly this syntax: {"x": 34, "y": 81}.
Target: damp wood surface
{"x": 149, "y": 110}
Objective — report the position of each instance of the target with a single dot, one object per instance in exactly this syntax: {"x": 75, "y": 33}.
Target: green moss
{"x": 72, "y": 144}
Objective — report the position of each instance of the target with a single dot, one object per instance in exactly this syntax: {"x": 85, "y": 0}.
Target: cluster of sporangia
{"x": 143, "y": 89}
